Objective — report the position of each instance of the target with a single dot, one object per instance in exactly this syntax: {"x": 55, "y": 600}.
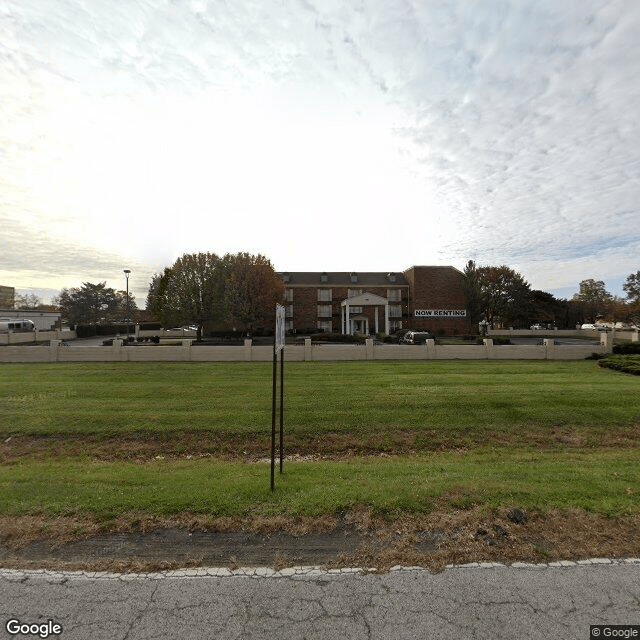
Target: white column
{"x": 386, "y": 318}
{"x": 377, "y": 330}
{"x": 348, "y": 322}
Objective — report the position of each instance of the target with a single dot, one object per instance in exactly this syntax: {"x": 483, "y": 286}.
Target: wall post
{"x": 247, "y": 349}
{"x": 307, "y": 349}
{"x": 549, "y": 348}
{"x": 368, "y": 345}
{"x": 606, "y": 341}
{"x": 488, "y": 347}
{"x": 54, "y": 346}
{"x": 431, "y": 348}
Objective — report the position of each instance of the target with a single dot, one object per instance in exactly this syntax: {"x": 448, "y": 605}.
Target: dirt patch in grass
{"x": 142, "y": 447}
{"x": 358, "y": 538}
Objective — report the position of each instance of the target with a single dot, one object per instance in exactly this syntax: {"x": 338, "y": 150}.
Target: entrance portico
{"x": 358, "y": 323}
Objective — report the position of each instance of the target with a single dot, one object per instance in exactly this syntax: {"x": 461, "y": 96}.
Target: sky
{"x": 327, "y": 135}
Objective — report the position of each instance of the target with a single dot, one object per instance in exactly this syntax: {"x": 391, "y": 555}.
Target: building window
{"x": 288, "y": 325}
{"x": 289, "y": 311}
{"x": 355, "y": 310}
{"x": 352, "y": 293}
{"x": 395, "y": 325}
{"x": 288, "y": 295}
{"x": 395, "y": 311}
{"x": 324, "y": 311}
{"x": 394, "y": 295}
{"x": 324, "y": 295}
{"x": 325, "y": 325}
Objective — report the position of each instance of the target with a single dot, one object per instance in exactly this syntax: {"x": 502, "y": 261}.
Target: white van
{"x": 14, "y": 324}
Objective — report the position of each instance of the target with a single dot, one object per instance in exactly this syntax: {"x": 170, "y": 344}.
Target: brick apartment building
{"x": 427, "y": 298}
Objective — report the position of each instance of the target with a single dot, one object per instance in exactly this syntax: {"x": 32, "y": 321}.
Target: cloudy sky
{"x": 325, "y": 134}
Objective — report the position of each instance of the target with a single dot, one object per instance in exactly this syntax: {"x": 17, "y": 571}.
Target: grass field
{"x": 397, "y": 437}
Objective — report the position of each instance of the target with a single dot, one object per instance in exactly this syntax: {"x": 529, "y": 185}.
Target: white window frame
{"x": 325, "y": 295}
{"x": 288, "y": 295}
{"x": 325, "y": 311}
{"x": 394, "y": 295}
{"x": 325, "y": 325}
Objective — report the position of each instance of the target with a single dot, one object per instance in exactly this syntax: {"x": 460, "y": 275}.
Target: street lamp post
{"x": 126, "y": 275}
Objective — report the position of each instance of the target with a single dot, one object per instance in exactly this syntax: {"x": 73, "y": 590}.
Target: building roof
{"x": 344, "y": 278}
{"x": 365, "y": 299}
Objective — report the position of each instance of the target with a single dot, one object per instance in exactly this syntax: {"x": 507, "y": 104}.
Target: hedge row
{"x": 338, "y": 337}
{"x": 626, "y": 349}
{"x": 90, "y": 330}
{"x": 625, "y": 364}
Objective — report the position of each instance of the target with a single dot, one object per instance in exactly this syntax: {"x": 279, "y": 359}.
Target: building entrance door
{"x": 360, "y": 325}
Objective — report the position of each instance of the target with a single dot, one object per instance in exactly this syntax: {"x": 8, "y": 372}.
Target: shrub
{"x": 151, "y": 326}
{"x": 624, "y": 364}
{"x": 627, "y": 348}
{"x": 496, "y": 341}
{"x": 338, "y": 337}
{"x": 90, "y": 330}
{"x": 225, "y": 334}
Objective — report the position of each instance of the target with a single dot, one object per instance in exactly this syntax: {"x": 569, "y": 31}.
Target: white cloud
{"x": 326, "y": 135}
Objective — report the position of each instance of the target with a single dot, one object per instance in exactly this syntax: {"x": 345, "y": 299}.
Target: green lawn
{"x": 604, "y": 482}
{"x": 349, "y": 396}
{"x": 497, "y": 449}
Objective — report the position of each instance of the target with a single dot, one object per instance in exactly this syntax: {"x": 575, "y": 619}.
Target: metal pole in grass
{"x": 126, "y": 275}
{"x": 278, "y": 345}
{"x": 273, "y": 420}
{"x": 281, "y": 407}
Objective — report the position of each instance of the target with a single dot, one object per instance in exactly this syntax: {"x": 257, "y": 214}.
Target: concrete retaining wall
{"x": 186, "y": 352}
{"x": 562, "y": 333}
{"x": 25, "y": 337}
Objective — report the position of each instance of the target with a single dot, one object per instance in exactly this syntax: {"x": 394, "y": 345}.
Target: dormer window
{"x": 324, "y": 277}
{"x": 354, "y": 277}
{"x": 391, "y": 277}
{"x": 285, "y": 277}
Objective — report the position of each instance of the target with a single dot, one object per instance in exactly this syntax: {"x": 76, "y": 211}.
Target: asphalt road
{"x": 461, "y": 602}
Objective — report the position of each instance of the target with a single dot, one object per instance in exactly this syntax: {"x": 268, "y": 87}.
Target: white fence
{"x": 627, "y": 334}
{"x": 187, "y": 352}
{"x": 26, "y": 337}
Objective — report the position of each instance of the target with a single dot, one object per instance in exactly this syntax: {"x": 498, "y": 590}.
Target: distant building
{"x": 7, "y": 297}
{"x": 422, "y": 297}
{"x": 43, "y": 320}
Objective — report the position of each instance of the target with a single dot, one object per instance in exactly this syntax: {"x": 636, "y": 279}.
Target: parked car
{"x": 416, "y": 337}
{"x": 535, "y": 327}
